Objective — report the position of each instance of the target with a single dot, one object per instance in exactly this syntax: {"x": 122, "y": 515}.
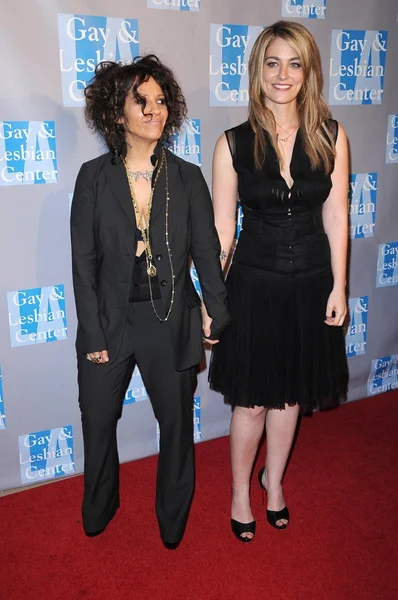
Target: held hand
{"x": 99, "y": 358}
{"x": 206, "y": 325}
{"x": 336, "y": 305}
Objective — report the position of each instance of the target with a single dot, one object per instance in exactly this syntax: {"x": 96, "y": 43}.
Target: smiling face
{"x": 283, "y": 75}
{"x": 145, "y": 119}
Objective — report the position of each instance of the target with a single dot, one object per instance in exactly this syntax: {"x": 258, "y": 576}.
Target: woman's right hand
{"x": 99, "y": 357}
{"x": 206, "y": 326}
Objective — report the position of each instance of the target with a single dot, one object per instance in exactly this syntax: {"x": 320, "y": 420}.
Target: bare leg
{"x": 280, "y": 427}
{"x": 247, "y": 426}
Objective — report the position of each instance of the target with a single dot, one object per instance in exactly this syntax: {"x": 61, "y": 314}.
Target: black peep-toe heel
{"x": 273, "y": 516}
{"x": 239, "y": 528}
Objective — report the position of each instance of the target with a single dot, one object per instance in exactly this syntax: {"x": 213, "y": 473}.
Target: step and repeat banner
{"x": 49, "y": 53}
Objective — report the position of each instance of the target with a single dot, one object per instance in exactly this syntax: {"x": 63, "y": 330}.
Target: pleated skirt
{"x": 278, "y": 350}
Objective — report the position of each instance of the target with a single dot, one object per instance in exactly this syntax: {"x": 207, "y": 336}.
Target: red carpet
{"x": 342, "y": 492}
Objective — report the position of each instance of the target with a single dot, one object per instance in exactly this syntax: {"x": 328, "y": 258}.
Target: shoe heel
{"x": 273, "y": 516}
{"x": 263, "y": 491}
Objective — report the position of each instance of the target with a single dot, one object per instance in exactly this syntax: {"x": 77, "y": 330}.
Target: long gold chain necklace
{"x": 151, "y": 269}
{"x": 143, "y": 224}
{"x": 168, "y": 251}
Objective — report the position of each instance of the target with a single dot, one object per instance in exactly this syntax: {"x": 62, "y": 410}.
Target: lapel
{"x": 159, "y": 195}
{"x": 117, "y": 177}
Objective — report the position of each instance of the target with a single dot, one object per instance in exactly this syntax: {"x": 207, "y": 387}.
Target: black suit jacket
{"x": 103, "y": 232}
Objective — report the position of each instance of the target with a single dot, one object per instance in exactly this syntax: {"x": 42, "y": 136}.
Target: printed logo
{"x": 195, "y": 280}
{"x": 355, "y": 341}
{"x": 188, "y": 5}
{"x": 136, "y": 391}
{"x": 186, "y": 143}
{"x": 46, "y": 454}
{"x": 84, "y": 41}
{"x": 27, "y": 153}
{"x": 315, "y": 9}
{"x": 197, "y": 419}
{"x": 387, "y": 265}
{"x": 2, "y": 413}
{"x": 357, "y": 66}
{"x": 392, "y": 140}
{"x": 383, "y": 375}
{"x": 37, "y": 315}
{"x": 362, "y": 207}
{"x": 230, "y": 47}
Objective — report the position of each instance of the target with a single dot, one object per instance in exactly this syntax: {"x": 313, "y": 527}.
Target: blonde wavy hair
{"x": 312, "y": 108}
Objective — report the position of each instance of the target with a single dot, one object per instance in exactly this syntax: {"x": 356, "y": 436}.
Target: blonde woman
{"x": 284, "y": 352}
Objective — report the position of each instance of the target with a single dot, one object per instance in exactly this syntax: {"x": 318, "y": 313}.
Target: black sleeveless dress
{"x": 278, "y": 349}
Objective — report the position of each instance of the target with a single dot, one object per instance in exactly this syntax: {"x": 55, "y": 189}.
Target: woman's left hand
{"x": 337, "y": 304}
{"x": 206, "y": 326}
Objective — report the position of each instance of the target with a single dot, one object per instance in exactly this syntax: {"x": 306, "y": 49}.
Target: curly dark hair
{"x": 107, "y": 91}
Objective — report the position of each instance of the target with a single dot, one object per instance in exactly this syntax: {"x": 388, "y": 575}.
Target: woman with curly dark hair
{"x": 139, "y": 214}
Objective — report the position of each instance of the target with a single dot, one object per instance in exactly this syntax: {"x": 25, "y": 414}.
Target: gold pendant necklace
{"x": 289, "y": 135}
{"x": 139, "y": 216}
{"x": 151, "y": 269}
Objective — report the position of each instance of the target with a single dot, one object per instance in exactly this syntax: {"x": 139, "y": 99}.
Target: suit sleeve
{"x": 205, "y": 252}
{"x": 91, "y": 337}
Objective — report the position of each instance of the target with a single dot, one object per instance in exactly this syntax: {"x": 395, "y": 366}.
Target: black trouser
{"x": 101, "y": 392}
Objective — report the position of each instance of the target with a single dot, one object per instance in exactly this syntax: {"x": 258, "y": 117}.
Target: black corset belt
{"x": 288, "y": 243}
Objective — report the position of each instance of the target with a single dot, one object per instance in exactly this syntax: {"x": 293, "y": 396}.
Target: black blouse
{"x": 282, "y": 227}
{"x": 139, "y": 289}
{"x": 266, "y": 191}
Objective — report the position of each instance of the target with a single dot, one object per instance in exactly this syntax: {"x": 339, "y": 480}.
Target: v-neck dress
{"x": 278, "y": 350}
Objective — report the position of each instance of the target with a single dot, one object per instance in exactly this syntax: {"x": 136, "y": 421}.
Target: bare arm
{"x": 335, "y": 221}
{"x": 225, "y": 196}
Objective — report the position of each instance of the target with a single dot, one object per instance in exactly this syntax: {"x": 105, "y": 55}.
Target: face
{"x": 283, "y": 75}
{"x": 146, "y": 120}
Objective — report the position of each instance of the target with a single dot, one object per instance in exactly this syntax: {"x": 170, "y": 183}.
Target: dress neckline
{"x": 291, "y": 164}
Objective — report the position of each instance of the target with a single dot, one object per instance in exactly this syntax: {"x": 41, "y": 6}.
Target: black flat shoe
{"x": 239, "y": 528}
{"x": 171, "y": 545}
{"x": 273, "y": 516}
{"x": 94, "y": 533}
